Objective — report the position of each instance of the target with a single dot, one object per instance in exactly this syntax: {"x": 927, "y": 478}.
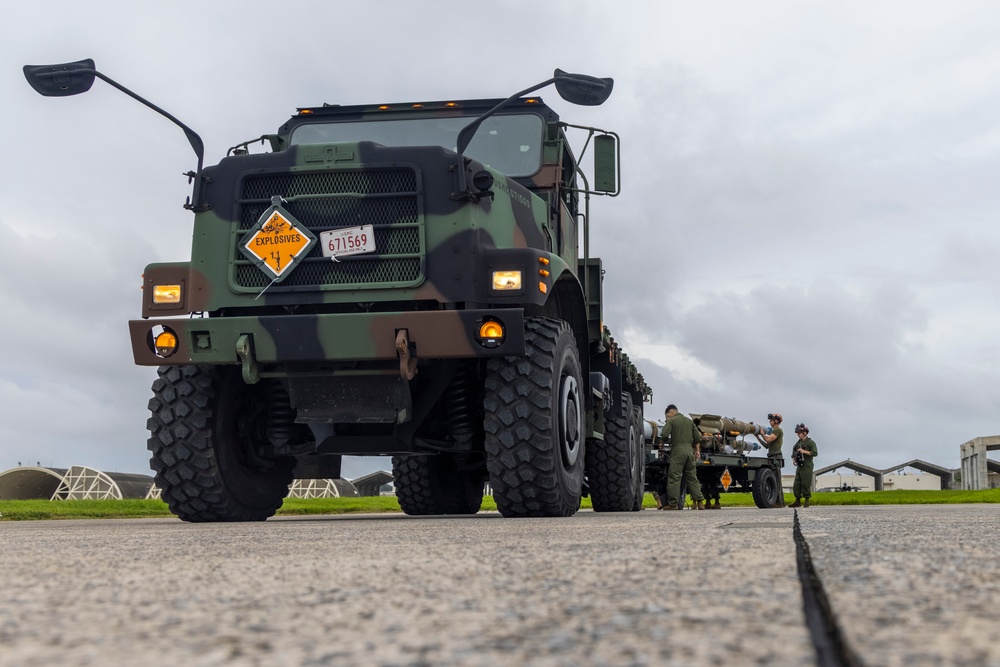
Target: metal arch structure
{"x": 946, "y": 474}
{"x": 856, "y": 467}
{"x": 322, "y": 488}
{"x": 73, "y": 483}
{"x": 84, "y": 483}
{"x": 30, "y": 483}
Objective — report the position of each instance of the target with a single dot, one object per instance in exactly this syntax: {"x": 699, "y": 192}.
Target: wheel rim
{"x": 569, "y": 420}
{"x": 771, "y": 488}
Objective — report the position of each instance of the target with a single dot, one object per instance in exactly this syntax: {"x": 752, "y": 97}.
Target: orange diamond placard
{"x": 277, "y": 242}
{"x": 726, "y": 479}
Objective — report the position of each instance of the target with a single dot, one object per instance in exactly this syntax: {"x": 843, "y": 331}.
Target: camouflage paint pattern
{"x": 430, "y": 274}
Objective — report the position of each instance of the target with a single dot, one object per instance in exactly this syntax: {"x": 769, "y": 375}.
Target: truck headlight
{"x": 166, "y": 293}
{"x": 506, "y": 280}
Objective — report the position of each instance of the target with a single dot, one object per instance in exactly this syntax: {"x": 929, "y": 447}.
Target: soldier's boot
{"x": 656, "y": 497}
{"x": 796, "y": 503}
{"x": 670, "y": 506}
{"x": 699, "y": 504}
{"x": 806, "y": 504}
{"x": 716, "y": 506}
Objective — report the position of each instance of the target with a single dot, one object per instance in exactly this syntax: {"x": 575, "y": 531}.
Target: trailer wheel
{"x": 766, "y": 488}
{"x": 534, "y": 424}
{"x": 205, "y": 431}
{"x": 612, "y": 467}
{"x": 639, "y": 478}
{"x": 435, "y": 484}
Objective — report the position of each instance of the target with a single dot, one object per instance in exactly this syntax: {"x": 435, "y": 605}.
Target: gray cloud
{"x": 807, "y": 222}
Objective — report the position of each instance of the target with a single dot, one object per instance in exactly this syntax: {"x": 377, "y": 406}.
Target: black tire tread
{"x": 183, "y": 456}
{"x": 759, "y": 490}
{"x": 431, "y": 485}
{"x": 640, "y": 491}
{"x": 608, "y": 471}
{"x": 518, "y": 427}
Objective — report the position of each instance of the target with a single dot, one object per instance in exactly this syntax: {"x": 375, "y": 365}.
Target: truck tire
{"x": 534, "y": 414}
{"x": 766, "y": 488}
{"x": 434, "y": 484}
{"x": 640, "y": 461}
{"x": 612, "y": 468}
{"x": 203, "y": 423}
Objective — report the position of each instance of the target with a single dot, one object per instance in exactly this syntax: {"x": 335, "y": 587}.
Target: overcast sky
{"x": 808, "y": 220}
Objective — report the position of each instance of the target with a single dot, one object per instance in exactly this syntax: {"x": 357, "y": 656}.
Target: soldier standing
{"x": 774, "y": 441}
{"x": 685, "y": 448}
{"x": 805, "y": 453}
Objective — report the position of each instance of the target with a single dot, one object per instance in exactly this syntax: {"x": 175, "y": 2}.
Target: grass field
{"x": 26, "y": 510}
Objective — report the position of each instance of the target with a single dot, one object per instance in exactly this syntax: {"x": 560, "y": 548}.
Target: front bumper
{"x": 279, "y": 339}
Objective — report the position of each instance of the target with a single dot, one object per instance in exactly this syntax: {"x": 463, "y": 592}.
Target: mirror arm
{"x": 469, "y": 131}
{"x": 196, "y": 143}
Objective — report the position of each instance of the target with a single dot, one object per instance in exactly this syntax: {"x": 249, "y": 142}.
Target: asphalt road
{"x": 916, "y": 585}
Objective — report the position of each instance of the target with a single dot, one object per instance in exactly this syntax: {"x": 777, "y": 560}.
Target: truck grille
{"x": 388, "y": 199}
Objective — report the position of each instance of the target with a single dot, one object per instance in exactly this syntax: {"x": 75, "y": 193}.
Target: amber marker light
{"x": 506, "y": 280}
{"x": 543, "y": 288}
{"x": 165, "y": 343}
{"x": 491, "y": 334}
{"x": 166, "y": 293}
{"x": 491, "y": 329}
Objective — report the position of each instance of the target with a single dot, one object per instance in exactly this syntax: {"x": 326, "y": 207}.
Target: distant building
{"x": 73, "y": 483}
{"x": 377, "y": 483}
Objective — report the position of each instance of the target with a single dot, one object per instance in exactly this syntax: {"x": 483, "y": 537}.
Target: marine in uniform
{"x": 685, "y": 444}
{"x": 803, "y": 456}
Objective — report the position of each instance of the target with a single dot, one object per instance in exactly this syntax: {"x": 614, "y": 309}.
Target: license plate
{"x": 349, "y": 241}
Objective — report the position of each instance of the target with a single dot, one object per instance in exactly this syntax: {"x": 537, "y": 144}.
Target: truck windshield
{"x": 511, "y": 144}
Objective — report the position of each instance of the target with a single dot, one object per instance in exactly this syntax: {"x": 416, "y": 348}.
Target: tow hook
{"x": 244, "y": 350}
{"x": 407, "y": 363}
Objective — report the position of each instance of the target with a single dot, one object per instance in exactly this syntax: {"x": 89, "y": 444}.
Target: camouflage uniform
{"x": 683, "y": 435}
{"x": 802, "y": 487}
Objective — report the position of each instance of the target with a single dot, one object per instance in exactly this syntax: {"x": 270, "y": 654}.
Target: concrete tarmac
{"x": 916, "y": 585}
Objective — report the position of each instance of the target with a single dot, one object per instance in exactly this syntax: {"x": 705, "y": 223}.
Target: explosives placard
{"x": 277, "y": 242}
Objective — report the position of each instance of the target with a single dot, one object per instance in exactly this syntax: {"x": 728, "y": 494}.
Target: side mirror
{"x": 582, "y": 89}
{"x": 606, "y": 163}
{"x": 61, "y": 80}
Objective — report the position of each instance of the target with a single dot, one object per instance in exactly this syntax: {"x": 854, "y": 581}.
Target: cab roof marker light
{"x": 543, "y": 260}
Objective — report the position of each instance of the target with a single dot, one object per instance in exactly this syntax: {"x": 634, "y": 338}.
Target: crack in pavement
{"x": 832, "y": 649}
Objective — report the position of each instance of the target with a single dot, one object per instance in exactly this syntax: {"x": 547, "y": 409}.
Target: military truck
{"x": 727, "y": 462}
{"x": 399, "y": 280}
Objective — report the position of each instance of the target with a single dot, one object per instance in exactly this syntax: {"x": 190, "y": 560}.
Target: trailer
{"x": 726, "y": 464}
